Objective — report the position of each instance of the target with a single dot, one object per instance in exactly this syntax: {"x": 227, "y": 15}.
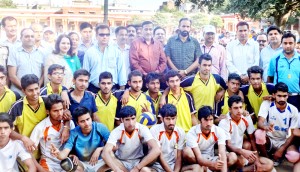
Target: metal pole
{"x": 105, "y": 20}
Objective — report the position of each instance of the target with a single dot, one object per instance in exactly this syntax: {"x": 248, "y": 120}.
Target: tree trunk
{"x": 281, "y": 19}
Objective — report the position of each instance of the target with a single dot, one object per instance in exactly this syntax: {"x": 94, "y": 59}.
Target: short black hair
{"x": 184, "y": 19}
{"x": 204, "y": 112}
{"x": 288, "y": 35}
{"x": 29, "y": 79}
{"x": 79, "y": 72}
{"x": 120, "y": 28}
{"x": 234, "y": 76}
{"x": 273, "y": 28}
{"x": 206, "y": 57}
{"x": 146, "y": 23}
{"x": 280, "y": 86}
{"x": 127, "y": 111}
{"x": 5, "y": 117}
{"x": 4, "y": 19}
{"x": 79, "y": 111}
{"x": 242, "y": 23}
{"x": 131, "y": 25}
{"x": 134, "y": 73}
{"x": 102, "y": 26}
{"x": 168, "y": 110}
{"x": 51, "y": 100}
{"x": 255, "y": 69}
{"x": 152, "y": 76}
{"x": 57, "y": 44}
{"x": 234, "y": 99}
{"x": 158, "y": 27}
{"x": 171, "y": 73}
{"x": 54, "y": 67}
{"x": 23, "y": 30}
{"x": 73, "y": 33}
{"x": 3, "y": 70}
{"x": 105, "y": 75}
{"x": 85, "y": 25}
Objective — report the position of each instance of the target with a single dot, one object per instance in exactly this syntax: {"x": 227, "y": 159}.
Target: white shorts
{"x": 130, "y": 163}
{"x": 275, "y": 144}
{"x": 89, "y": 168}
{"x": 51, "y": 165}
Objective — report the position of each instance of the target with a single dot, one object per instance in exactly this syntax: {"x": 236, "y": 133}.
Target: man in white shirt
{"x": 276, "y": 121}
{"x": 201, "y": 140}
{"x": 235, "y": 126}
{"x": 242, "y": 53}
{"x": 171, "y": 139}
{"x": 49, "y": 131}
{"x": 128, "y": 139}
{"x": 10, "y": 150}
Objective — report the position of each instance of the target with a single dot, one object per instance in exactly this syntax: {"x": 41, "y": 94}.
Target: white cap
{"x": 48, "y": 29}
{"x": 209, "y": 28}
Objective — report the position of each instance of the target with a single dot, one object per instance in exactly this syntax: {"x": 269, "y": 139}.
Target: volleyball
{"x": 147, "y": 119}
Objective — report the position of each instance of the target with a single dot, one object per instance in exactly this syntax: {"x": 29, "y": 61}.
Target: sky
{"x": 153, "y": 4}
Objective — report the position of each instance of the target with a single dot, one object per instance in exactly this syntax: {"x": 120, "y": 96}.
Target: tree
{"x": 210, "y": 4}
{"x": 137, "y": 20}
{"x": 216, "y": 21}
{"x": 161, "y": 19}
{"x": 200, "y": 20}
{"x": 7, "y": 4}
{"x": 280, "y": 10}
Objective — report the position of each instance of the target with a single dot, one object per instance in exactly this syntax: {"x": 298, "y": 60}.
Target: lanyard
{"x": 209, "y": 49}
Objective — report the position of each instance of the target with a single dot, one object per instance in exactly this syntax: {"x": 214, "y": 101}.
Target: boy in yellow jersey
{"x": 137, "y": 99}
{"x": 257, "y": 91}
{"x": 153, "y": 84}
{"x": 7, "y": 97}
{"x": 106, "y": 102}
{"x": 182, "y": 100}
{"x": 56, "y": 76}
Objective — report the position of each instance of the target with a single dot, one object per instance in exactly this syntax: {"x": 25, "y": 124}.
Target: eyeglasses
{"x": 104, "y": 34}
{"x": 263, "y": 41}
{"x": 58, "y": 74}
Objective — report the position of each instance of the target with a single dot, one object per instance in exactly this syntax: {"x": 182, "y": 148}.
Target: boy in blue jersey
{"x": 86, "y": 142}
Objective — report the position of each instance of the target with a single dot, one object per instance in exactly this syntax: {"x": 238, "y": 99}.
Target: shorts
{"x": 158, "y": 168}
{"x": 275, "y": 144}
{"x": 89, "y": 168}
{"x": 130, "y": 163}
{"x": 51, "y": 165}
{"x": 210, "y": 158}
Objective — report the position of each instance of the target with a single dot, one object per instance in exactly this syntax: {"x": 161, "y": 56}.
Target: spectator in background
{"x": 273, "y": 49}
{"x": 25, "y": 59}
{"x": 146, "y": 54}
{"x": 242, "y": 53}
{"x": 269, "y": 24}
{"x": 262, "y": 41}
{"x": 86, "y": 36}
{"x": 104, "y": 57}
{"x": 63, "y": 56}
{"x": 39, "y": 43}
{"x": 226, "y": 39}
{"x": 131, "y": 34}
{"x": 217, "y": 51}
{"x": 3, "y": 55}
{"x": 285, "y": 68}
{"x": 138, "y": 29}
{"x": 182, "y": 50}
{"x": 9, "y": 25}
{"x": 159, "y": 34}
{"x": 122, "y": 39}
{"x": 49, "y": 36}
{"x": 75, "y": 45}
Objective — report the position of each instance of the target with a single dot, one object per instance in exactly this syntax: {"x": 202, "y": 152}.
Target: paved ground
{"x": 285, "y": 167}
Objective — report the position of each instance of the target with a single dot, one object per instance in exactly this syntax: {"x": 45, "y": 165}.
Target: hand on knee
{"x": 260, "y": 137}
{"x": 292, "y": 156}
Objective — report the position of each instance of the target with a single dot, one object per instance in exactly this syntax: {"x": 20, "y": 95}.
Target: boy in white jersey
{"x": 128, "y": 139}
{"x": 49, "y": 131}
{"x": 276, "y": 118}
{"x": 200, "y": 142}
{"x": 171, "y": 139}
{"x": 235, "y": 126}
{"x": 10, "y": 150}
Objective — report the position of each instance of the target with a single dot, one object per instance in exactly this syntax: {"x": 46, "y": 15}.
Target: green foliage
{"x": 210, "y": 4}
{"x": 166, "y": 19}
{"x": 135, "y": 19}
{"x": 200, "y": 20}
{"x": 7, "y": 4}
{"x": 216, "y": 21}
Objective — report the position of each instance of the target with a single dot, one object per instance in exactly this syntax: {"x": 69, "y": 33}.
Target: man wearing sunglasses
{"x": 104, "y": 57}
{"x": 262, "y": 41}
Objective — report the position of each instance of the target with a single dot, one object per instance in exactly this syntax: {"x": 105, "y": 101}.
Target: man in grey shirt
{"x": 182, "y": 50}
{"x": 25, "y": 59}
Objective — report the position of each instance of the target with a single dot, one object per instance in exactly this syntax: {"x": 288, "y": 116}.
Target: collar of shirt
{"x": 249, "y": 42}
{"x": 181, "y": 91}
{"x": 269, "y": 47}
{"x": 82, "y": 44}
{"x": 50, "y": 90}
{"x": 198, "y": 129}
{"x": 127, "y": 47}
{"x": 296, "y": 55}
{"x": 48, "y": 123}
{"x": 85, "y": 96}
{"x": 25, "y": 101}
{"x": 21, "y": 48}
{"x": 100, "y": 96}
{"x": 144, "y": 40}
{"x": 159, "y": 95}
{"x": 178, "y": 38}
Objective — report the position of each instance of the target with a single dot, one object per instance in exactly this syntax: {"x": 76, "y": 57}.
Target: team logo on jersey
{"x": 273, "y": 118}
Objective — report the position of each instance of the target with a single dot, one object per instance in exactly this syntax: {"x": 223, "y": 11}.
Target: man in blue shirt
{"x": 285, "y": 68}
{"x": 79, "y": 96}
{"x": 86, "y": 142}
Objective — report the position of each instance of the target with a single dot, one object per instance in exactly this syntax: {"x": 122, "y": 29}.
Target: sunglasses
{"x": 104, "y": 34}
{"x": 263, "y": 41}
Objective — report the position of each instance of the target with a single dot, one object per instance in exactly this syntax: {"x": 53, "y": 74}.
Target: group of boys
{"x": 100, "y": 132}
